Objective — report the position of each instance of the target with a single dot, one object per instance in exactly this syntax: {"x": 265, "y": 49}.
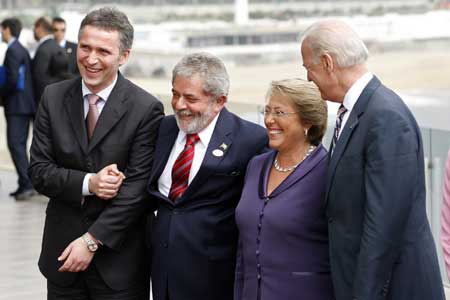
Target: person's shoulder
{"x": 61, "y": 87}
{"x": 140, "y": 96}
{"x": 246, "y": 127}
{"x": 71, "y": 45}
{"x": 259, "y": 159}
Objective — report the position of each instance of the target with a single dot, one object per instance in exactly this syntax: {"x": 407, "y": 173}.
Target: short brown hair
{"x": 305, "y": 96}
{"x": 111, "y": 19}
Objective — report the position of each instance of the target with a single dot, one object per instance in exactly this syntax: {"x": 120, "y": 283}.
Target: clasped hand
{"x": 106, "y": 183}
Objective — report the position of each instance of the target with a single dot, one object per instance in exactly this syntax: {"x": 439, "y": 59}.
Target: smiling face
{"x": 193, "y": 108}
{"x": 99, "y": 57}
{"x": 285, "y": 132}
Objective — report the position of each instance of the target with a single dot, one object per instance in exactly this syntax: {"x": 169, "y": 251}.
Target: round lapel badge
{"x": 217, "y": 152}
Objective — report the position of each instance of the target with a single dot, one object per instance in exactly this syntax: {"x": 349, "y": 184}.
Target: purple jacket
{"x": 283, "y": 245}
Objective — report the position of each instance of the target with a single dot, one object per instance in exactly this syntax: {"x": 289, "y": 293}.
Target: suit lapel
{"x": 304, "y": 168}
{"x": 166, "y": 139}
{"x": 75, "y": 109}
{"x": 221, "y": 136}
{"x": 350, "y": 126}
{"x": 112, "y": 112}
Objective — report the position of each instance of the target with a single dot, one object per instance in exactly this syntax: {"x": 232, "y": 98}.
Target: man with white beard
{"x": 196, "y": 181}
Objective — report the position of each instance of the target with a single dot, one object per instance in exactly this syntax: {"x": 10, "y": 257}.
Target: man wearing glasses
{"x": 59, "y": 33}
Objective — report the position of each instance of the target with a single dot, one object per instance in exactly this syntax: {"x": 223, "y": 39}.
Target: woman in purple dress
{"x": 283, "y": 245}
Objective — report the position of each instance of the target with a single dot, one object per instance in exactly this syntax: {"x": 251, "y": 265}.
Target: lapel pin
{"x": 217, "y": 152}
{"x": 223, "y": 146}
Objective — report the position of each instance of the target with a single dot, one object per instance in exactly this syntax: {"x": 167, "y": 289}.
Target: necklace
{"x": 279, "y": 168}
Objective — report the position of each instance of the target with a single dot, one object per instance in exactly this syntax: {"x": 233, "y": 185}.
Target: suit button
{"x": 89, "y": 165}
{"x": 165, "y": 245}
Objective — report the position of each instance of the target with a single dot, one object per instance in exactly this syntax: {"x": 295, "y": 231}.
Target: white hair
{"x": 337, "y": 39}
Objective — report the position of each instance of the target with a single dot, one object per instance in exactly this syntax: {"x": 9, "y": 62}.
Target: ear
{"x": 124, "y": 57}
{"x": 220, "y": 103}
{"x": 327, "y": 62}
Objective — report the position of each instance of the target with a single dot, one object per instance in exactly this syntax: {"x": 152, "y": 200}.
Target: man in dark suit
{"x": 201, "y": 157}
{"x": 381, "y": 246}
{"x": 86, "y": 130}
{"x": 50, "y": 62}
{"x": 59, "y": 33}
{"x": 19, "y": 105}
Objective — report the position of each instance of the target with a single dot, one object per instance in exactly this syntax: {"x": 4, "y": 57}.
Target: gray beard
{"x": 198, "y": 123}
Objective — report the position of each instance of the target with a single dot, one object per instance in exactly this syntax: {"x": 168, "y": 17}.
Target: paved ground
{"x": 20, "y": 236}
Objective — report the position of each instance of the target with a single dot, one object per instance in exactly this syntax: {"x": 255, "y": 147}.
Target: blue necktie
{"x": 340, "y": 115}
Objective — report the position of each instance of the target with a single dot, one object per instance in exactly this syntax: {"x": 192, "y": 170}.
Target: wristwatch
{"x": 90, "y": 244}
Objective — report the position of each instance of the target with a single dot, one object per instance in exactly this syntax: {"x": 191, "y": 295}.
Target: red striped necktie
{"x": 182, "y": 167}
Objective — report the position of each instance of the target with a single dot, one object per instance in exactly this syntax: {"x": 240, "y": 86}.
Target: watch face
{"x": 92, "y": 247}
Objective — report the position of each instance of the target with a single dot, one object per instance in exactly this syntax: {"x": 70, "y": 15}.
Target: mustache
{"x": 183, "y": 113}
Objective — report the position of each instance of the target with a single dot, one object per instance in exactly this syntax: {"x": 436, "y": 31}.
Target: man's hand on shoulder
{"x": 76, "y": 256}
{"x": 106, "y": 183}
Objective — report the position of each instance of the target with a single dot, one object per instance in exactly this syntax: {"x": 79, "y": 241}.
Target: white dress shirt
{"x": 352, "y": 95}
{"x": 165, "y": 180}
{"x": 103, "y": 94}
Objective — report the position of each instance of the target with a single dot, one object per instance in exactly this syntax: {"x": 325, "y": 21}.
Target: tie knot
{"x": 342, "y": 110}
{"x": 191, "y": 139}
{"x": 93, "y": 99}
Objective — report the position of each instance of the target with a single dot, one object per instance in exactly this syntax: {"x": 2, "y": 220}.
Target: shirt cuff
{"x": 85, "y": 191}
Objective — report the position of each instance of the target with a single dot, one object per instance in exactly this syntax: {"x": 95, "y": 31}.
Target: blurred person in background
{"x": 50, "y": 62}
{"x": 19, "y": 104}
{"x": 59, "y": 33}
{"x": 445, "y": 218}
{"x": 381, "y": 246}
{"x": 283, "y": 233}
{"x": 86, "y": 130}
{"x": 201, "y": 156}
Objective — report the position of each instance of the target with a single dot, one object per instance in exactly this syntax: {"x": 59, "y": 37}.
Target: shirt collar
{"x": 104, "y": 94}
{"x": 62, "y": 43}
{"x": 43, "y": 39}
{"x": 12, "y": 40}
{"x": 356, "y": 90}
{"x": 204, "y": 135}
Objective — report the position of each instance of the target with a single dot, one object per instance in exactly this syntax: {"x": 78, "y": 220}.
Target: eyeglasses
{"x": 276, "y": 113}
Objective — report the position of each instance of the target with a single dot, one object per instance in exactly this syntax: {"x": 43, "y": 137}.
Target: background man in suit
{"x": 94, "y": 241}
{"x": 381, "y": 245}
{"x": 19, "y": 105}
{"x": 50, "y": 62}
{"x": 201, "y": 157}
{"x": 59, "y": 33}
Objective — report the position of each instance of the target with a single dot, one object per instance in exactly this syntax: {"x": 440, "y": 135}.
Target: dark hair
{"x": 58, "y": 20}
{"x": 111, "y": 19}
{"x": 14, "y": 25}
{"x": 45, "y": 23}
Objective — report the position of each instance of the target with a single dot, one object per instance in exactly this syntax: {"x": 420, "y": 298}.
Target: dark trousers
{"x": 17, "y": 127}
{"x": 90, "y": 286}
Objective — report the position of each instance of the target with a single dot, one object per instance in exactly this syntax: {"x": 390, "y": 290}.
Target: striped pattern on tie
{"x": 340, "y": 115}
{"x": 182, "y": 167}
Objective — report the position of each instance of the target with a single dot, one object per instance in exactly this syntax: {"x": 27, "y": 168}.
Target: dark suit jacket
{"x": 61, "y": 157}
{"x": 288, "y": 230}
{"x": 381, "y": 245}
{"x": 194, "y": 238}
{"x": 49, "y": 63}
{"x": 71, "y": 51}
{"x": 17, "y": 101}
